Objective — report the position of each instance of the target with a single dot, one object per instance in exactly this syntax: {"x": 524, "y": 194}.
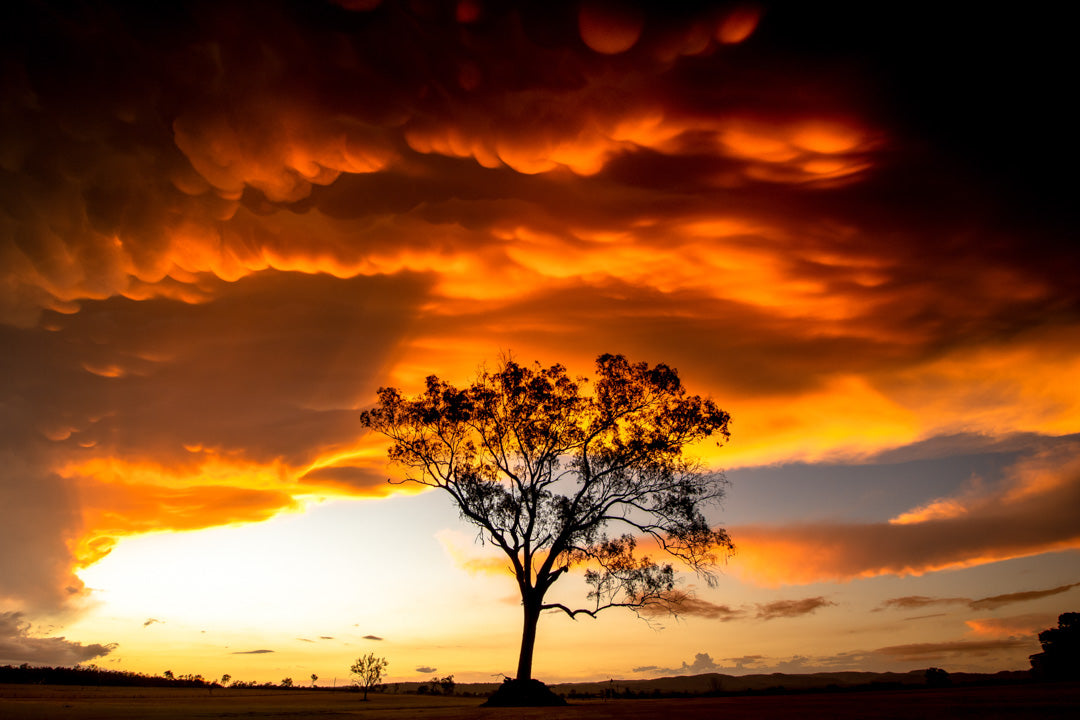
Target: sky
{"x": 224, "y": 225}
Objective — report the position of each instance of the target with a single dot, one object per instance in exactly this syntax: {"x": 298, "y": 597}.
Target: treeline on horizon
{"x": 26, "y": 674}
{"x": 94, "y": 675}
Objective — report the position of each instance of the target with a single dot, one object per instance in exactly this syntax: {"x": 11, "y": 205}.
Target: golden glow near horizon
{"x": 213, "y": 253}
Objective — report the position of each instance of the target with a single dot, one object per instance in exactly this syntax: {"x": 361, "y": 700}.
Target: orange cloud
{"x": 996, "y": 526}
{"x": 610, "y": 27}
{"x": 467, "y": 556}
{"x": 1015, "y": 626}
{"x": 738, "y": 25}
{"x": 221, "y": 236}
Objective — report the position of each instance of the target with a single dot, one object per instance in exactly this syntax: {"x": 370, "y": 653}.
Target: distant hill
{"x": 721, "y": 684}
{"x": 708, "y": 683}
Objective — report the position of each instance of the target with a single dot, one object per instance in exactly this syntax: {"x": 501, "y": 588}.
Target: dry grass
{"x": 21, "y": 702}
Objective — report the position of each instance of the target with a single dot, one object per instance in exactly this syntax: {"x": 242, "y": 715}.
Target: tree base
{"x": 528, "y": 693}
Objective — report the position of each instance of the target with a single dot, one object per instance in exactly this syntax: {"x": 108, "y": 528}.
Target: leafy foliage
{"x": 369, "y": 671}
{"x": 1060, "y": 658}
{"x": 546, "y": 471}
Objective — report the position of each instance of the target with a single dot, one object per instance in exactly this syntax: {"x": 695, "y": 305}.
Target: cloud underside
{"x": 1031, "y": 512}
{"x": 18, "y": 645}
{"x": 211, "y": 255}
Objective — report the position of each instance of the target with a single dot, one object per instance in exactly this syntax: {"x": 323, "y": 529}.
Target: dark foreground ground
{"x": 18, "y": 702}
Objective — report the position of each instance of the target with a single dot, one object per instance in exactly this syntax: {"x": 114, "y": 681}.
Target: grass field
{"x": 18, "y": 702}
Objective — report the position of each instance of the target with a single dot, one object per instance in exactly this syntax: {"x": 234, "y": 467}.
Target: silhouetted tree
{"x": 368, "y": 670}
{"x": 314, "y": 678}
{"x": 1060, "y": 658}
{"x": 545, "y": 471}
{"x": 226, "y": 678}
{"x": 287, "y": 682}
{"x": 936, "y": 677}
{"x": 168, "y": 674}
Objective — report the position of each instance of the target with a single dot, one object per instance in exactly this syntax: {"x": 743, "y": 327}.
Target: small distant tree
{"x": 225, "y": 679}
{"x": 369, "y": 671}
{"x": 447, "y": 684}
{"x": 168, "y": 675}
{"x": 287, "y": 683}
{"x": 1060, "y": 658}
{"x": 546, "y": 471}
{"x": 314, "y": 678}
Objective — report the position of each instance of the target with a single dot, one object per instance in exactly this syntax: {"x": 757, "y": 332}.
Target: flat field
{"x": 19, "y": 702}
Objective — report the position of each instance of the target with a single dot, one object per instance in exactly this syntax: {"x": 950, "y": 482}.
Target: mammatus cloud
{"x": 1030, "y": 512}
{"x": 218, "y": 239}
{"x": 18, "y": 645}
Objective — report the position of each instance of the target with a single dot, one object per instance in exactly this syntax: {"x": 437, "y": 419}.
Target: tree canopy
{"x": 368, "y": 670}
{"x": 1060, "y": 658}
{"x": 549, "y": 474}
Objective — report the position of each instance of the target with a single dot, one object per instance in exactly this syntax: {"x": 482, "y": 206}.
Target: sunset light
{"x": 225, "y": 226}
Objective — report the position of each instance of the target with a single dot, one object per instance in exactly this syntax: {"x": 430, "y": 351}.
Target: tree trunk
{"x": 531, "y": 606}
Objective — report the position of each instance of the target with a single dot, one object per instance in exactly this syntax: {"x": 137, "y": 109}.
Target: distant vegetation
{"x": 1060, "y": 658}
{"x": 94, "y": 675}
{"x": 708, "y": 685}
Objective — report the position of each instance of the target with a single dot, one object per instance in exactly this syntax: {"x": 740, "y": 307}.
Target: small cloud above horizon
{"x": 424, "y": 669}
{"x": 151, "y": 621}
{"x": 910, "y": 602}
{"x": 791, "y": 608}
{"x": 372, "y": 637}
{"x": 252, "y": 652}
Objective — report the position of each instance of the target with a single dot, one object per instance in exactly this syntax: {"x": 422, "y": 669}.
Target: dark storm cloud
{"x": 221, "y": 229}
{"x": 17, "y": 645}
{"x": 261, "y": 372}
